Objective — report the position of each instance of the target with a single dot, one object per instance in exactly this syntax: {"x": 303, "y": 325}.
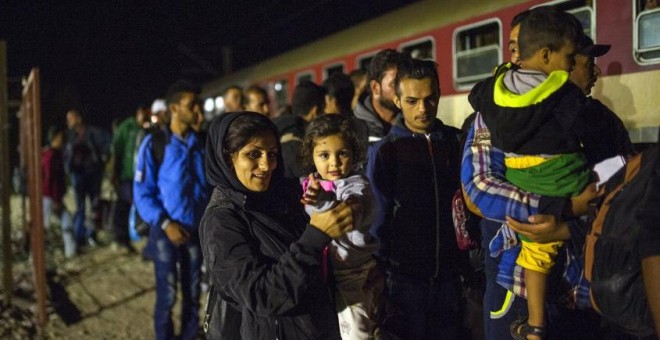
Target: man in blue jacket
{"x": 171, "y": 194}
{"x": 414, "y": 172}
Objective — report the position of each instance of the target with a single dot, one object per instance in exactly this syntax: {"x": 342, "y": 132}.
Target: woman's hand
{"x": 541, "y": 228}
{"x": 334, "y": 222}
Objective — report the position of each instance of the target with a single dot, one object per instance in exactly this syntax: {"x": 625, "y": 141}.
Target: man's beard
{"x": 388, "y": 104}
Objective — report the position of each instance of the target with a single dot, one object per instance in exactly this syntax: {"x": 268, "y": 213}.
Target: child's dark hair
{"x": 546, "y": 27}
{"x": 328, "y": 125}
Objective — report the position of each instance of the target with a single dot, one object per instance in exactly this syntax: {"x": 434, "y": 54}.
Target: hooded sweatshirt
{"x": 414, "y": 177}
{"x": 539, "y": 121}
{"x": 365, "y": 112}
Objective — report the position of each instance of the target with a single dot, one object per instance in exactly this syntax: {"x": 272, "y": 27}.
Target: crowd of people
{"x": 334, "y": 219}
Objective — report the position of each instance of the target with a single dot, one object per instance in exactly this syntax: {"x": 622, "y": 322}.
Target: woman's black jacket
{"x": 267, "y": 262}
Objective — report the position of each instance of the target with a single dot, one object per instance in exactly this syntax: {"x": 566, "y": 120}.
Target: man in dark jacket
{"x": 376, "y": 106}
{"x": 414, "y": 171}
{"x": 307, "y": 102}
{"x": 86, "y": 151}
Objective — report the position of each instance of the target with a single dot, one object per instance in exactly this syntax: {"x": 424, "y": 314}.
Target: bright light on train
{"x": 219, "y": 103}
{"x": 278, "y": 87}
{"x": 209, "y": 105}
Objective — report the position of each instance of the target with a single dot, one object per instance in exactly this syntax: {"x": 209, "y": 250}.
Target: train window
{"x": 364, "y": 61}
{"x": 332, "y": 69}
{"x": 420, "y": 49}
{"x": 583, "y": 10}
{"x": 477, "y": 51}
{"x": 585, "y": 16}
{"x": 646, "y": 34}
{"x": 304, "y": 76}
{"x": 281, "y": 95}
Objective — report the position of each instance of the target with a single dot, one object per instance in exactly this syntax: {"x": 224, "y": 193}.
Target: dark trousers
{"x": 122, "y": 211}
{"x": 427, "y": 310}
{"x": 86, "y": 186}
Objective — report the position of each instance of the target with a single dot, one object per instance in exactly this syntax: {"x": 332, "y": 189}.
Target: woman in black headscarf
{"x": 263, "y": 254}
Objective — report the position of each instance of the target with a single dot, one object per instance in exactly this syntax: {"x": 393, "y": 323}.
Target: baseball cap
{"x": 587, "y": 47}
{"x": 158, "y": 105}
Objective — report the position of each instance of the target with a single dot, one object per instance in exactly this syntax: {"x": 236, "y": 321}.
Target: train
{"x": 467, "y": 39}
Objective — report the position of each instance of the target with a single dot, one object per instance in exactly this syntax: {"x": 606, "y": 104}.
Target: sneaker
{"x": 91, "y": 242}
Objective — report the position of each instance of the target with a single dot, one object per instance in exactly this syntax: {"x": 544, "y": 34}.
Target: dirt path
{"x": 103, "y": 293}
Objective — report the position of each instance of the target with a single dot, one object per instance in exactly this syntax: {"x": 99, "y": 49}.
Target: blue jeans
{"x": 85, "y": 185}
{"x": 501, "y": 308}
{"x": 426, "y": 310}
{"x": 189, "y": 273}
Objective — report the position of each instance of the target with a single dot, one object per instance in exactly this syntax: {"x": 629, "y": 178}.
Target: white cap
{"x": 158, "y": 105}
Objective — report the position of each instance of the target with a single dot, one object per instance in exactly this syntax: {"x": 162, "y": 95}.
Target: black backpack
{"x": 613, "y": 264}
{"x": 159, "y": 140}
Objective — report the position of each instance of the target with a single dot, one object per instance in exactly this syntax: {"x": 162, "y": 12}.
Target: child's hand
{"x": 312, "y": 192}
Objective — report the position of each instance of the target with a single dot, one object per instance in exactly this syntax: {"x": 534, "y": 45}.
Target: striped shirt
{"x": 491, "y": 196}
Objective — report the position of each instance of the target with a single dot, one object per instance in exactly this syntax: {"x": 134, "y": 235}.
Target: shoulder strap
{"x": 631, "y": 169}
{"x": 158, "y": 142}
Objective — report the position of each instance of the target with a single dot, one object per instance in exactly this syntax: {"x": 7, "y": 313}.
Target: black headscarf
{"x": 220, "y": 172}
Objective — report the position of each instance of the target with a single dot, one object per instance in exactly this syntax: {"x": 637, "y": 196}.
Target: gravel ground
{"x": 103, "y": 293}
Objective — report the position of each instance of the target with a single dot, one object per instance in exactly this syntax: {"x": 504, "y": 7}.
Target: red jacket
{"x": 54, "y": 182}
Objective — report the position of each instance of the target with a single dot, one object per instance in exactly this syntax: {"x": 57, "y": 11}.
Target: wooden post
{"x": 8, "y": 280}
{"x": 31, "y": 128}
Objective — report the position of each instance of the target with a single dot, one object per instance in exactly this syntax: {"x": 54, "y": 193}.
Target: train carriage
{"x": 468, "y": 38}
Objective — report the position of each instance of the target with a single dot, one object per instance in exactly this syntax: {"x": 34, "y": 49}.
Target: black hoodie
{"x": 262, "y": 256}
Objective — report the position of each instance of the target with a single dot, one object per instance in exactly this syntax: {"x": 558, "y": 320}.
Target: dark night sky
{"x": 110, "y": 56}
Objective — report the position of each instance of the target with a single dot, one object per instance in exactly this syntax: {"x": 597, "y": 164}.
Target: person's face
{"x": 184, "y": 110}
{"x": 418, "y": 102}
{"x": 562, "y": 59}
{"x": 385, "y": 90}
{"x": 233, "y": 100}
{"x": 142, "y": 117}
{"x": 57, "y": 141}
{"x": 331, "y": 105}
{"x": 333, "y": 158}
{"x": 651, "y": 4}
{"x": 257, "y": 103}
{"x": 255, "y": 162}
{"x": 513, "y": 44}
{"x": 73, "y": 120}
{"x": 164, "y": 117}
{"x": 199, "y": 120}
{"x": 585, "y": 73}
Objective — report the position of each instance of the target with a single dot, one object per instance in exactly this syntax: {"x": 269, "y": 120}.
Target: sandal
{"x": 520, "y": 329}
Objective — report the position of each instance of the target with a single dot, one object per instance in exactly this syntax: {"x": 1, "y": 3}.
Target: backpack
{"x": 158, "y": 143}
{"x": 613, "y": 265}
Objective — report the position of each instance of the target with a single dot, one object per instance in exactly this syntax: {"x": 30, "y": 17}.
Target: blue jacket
{"x": 413, "y": 178}
{"x": 179, "y": 191}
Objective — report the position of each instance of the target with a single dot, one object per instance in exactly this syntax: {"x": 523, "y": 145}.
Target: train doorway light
{"x": 209, "y": 105}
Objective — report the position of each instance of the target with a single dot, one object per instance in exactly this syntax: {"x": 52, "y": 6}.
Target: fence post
{"x": 8, "y": 281}
{"x": 32, "y": 149}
